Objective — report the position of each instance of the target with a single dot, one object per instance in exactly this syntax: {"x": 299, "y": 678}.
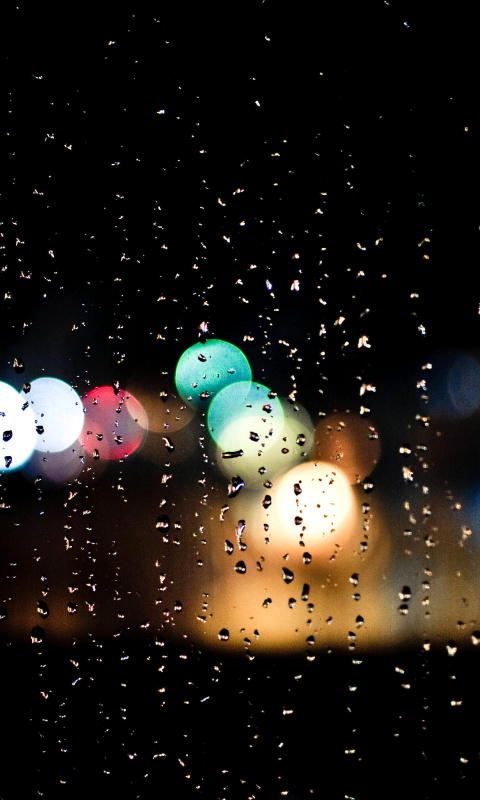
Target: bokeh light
{"x": 115, "y": 423}
{"x": 58, "y": 413}
{"x": 453, "y": 385}
{"x": 243, "y": 419}
{"x": 166, "y": 411}
{"x": 206, "y": 368}
{"x": 350, "y": 442}
{"x": 312, "y": 502}
{"x": 278, "y": 453}
{"x": 18, "y": 434}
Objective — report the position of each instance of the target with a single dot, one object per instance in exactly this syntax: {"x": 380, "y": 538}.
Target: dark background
{"x": 389, "y": 88}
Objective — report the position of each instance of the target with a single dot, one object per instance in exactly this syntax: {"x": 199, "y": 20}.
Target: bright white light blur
{"x": 17, "y": 428}
{"x": 312, "y": 501}
{"x": 58, "y": 410}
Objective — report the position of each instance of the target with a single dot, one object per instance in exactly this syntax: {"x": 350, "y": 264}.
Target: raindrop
{"x": 163, "y": 395}
{"x": 240, "y": 529}
{"x": 307, "y": 558}
{"x": 301, "y": 439}
{"x": 354, "y": 579}
{"x": 18, "y": 365}
{"x": 241, "y": 567}
{"x": 26, "y": 387}
{"x": 363, "y": 546}
{"x": 224, "y": 635}
{"x": 287, "y": 575}
{"x": 254, "y": 436}
{"x": 451, "y": 648}
{"x": 356, "y": 596}
{"x": 285, "y": 450}
{"x": 204, "y": 395}
{"x": 262, "y": 470}
{"x": 297, "y": 489}
{"x": 118, "y": 439}
{"x": 298, "y": 520}
{"x": 40, "y": 429}
{"x": 72, "y": 608}
{"x": 267, "y": 408}
{"x": 267, "y": 501}
{"x": 359, "y": 621}
{"x": 405, "y": 593}
{"x": 228, "y": 547}
{"x": 168, "y": 444}
{"x": 235, "y": 485}
{"x": 305, "y": 591}
{"x": 163, "y": 523}
{"x": 96, "y": 454}
{"x": 42, "y": 608}
{"x": 3, "y": 613}
{"x": 202, "y": 358}
{"x": 310, "y": 640}
{"x": 232, "y": 454}
{"x": 291, "y": 602}
{"x": 8, "y": 461}
{"x": 367, "y": 485}
{"x": 7, "y": 435}
{"x": 403, "y": 609}
{"x": 365, "y": 508}
{"x": 37, "y": 635}
{"x": 178, "y": 606}
{"x": 266, "y": 602}
{"x": 475, "y": 637}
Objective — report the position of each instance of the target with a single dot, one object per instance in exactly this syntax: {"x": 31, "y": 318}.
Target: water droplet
{"x": 405, "y": 593}
{"x": 475, "y": 637}
{"x": 8, "y": 461}
{"x": 37, "y": 635}
{"x": 224, "y": 635}
{"x": 354, "y": 579}
{"x": 232, "y": 454}
{"x": 298, "y": 520}
{"x": 163, "y": 523}
{"x": 301, "y": 439}
{"x": 18, "y": 365}
{"x": 267, "y": 501}
{"x": 116, "y": 387}
{"x": 267, "y": 408}
{"x": 72, "y": 608}
{"x": 254, "y": 436}
{"x": 291, "y": 602}
{"x": 235, "y": 485}
{"x": 118, "y": 439}
{"x": 96, "y": 454}
{"x": 307, "y": 558}
{"x": 240, "y": 528}
{"x": 202, "y": 358}
{"x": 285, "y": 450}
{"x": 168, "y": 444}
{"x": 359, "y": 621}
{"x": 204, "y": 395}
{"x": 42, "y": 608}
{"x": 241, "y": 567}
{"x": 310, "y": 640}
{"x": 262, "y": 470}
{"x": 287, "y": 575}
{"x": 228, "y": 547}
{"x": 403, "y": 609}
{"x": 368, "y": 485}
{"x": 26, "y": 387}
{"x": 363, "y": 546}
{"x": 40, "y": 429}
{"x": 451, "y": 648}
{"x": 163, "y": 395}
{"x": 7, "y": 435}
{"x": 305, "y": 591}
{"x": 3, "y": 613}
{"x": 297, "y": 489}
{"x": 267, "y": 602}
{"x": 365, "y": 508}
{"x": 178, "y": 606}
{"x": 356, "y": 596}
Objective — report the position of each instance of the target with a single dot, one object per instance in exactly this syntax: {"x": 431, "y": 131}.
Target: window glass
{"x": 239, "y": 401}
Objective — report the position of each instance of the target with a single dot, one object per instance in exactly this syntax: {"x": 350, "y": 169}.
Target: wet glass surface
{"x": 239, "y": 389}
